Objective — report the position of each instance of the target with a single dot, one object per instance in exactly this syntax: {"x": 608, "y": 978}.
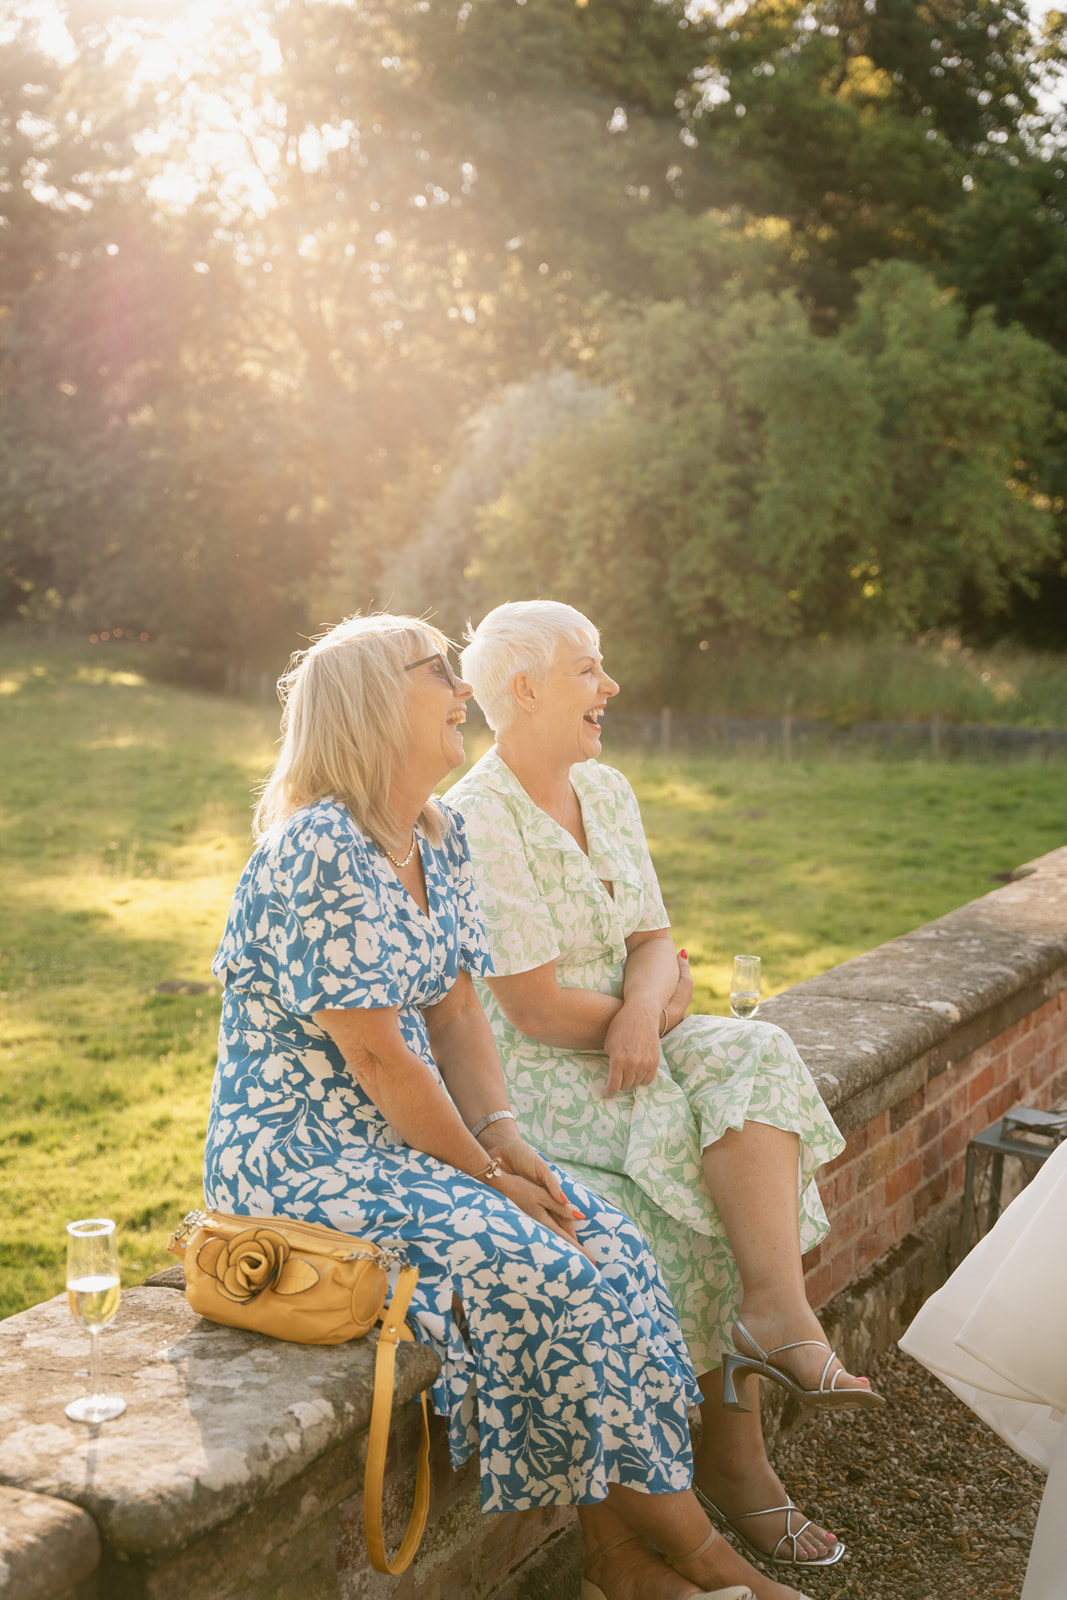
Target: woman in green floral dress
{"x": 706, "y": 1130}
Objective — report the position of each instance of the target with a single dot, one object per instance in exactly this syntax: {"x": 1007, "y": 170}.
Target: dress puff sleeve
{"x": 519, "y": 928}
{"x": 306, "y": 923}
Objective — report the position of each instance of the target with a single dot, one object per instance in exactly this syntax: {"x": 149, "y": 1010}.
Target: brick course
{"x": 906, "y": 1161}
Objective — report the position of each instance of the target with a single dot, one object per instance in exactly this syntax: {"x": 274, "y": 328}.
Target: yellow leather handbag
{"x": 294, "y": 1280}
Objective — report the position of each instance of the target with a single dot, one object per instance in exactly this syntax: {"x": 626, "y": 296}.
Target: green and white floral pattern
{"x": 543, "y": 900}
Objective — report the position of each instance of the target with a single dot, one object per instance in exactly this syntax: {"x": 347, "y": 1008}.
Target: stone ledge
{"x": 217, "y": 1420}
{"x": 48, "y": 1550}
{"x": 875, "y": 1029}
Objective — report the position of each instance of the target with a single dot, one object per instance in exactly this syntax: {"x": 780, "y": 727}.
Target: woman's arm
{"x": 465, "y": 1051}
{"x": 426, "y": 1117}
{"x": 655, "y": 979}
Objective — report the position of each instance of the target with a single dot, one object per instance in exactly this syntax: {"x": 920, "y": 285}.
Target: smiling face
{"x": 435, "y": 706}
{"x": 572, "y": 700}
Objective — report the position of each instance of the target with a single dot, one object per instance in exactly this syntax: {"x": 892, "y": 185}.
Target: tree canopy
{"x": 747, "y": 318}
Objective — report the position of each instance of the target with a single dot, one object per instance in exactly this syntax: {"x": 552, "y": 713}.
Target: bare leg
{"x": 752, "y": 1176}
{"x": 731, "y": 1466}
{"x": 675, "y": 1524}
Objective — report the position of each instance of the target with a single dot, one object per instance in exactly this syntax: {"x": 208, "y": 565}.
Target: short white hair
{"x": 520, "y": 636}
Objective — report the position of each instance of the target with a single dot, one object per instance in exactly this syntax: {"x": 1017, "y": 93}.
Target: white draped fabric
{"x": 996, "y": 1334}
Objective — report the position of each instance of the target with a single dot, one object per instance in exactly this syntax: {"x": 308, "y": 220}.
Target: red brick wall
{"x": 910, "y": 1158}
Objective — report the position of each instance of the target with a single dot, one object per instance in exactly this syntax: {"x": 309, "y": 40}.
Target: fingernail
{"x": 580, "y": 1215}
{"x": 684, "y": 955}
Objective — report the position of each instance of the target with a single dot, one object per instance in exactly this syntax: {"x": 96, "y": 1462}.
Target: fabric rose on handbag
{"x": 255, "y": 1260}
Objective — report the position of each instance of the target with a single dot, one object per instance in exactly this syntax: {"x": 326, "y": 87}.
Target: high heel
{"x": 762, "y": 1366}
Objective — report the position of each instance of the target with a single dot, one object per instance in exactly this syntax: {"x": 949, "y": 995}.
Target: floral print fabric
{"x": 544, "y": 900}
{"x": 565, "y": 1375}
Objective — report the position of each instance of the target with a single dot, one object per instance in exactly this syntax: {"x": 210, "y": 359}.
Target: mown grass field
{"x": 124, "y": 811}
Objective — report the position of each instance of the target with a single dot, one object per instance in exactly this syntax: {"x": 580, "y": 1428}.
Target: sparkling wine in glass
{"x": 745, "y": 986}
{"x": 93, "y": 1297}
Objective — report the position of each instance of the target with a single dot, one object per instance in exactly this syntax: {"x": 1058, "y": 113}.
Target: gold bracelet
{"x": 490, "y": 1172}
{"x": 666, "y": 1023}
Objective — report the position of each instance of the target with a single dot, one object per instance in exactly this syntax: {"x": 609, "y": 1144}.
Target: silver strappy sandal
{"x": 762, "y": 1365}
{"x": 789, "y": 1538}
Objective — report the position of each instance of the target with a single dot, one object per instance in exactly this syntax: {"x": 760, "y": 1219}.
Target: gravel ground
{"x": 931, "y": 1503}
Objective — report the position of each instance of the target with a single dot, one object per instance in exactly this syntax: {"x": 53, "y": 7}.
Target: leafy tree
{"x": 247, "y": 312}
{"x": 767, "y": 481}
{"x": 430, "y": 570}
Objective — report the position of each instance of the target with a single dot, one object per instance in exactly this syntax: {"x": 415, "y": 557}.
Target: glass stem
{"x": 94, "y": 1361}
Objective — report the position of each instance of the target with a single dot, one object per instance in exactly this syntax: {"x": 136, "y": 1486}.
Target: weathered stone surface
{"x": 216, "y": 1419}
{"x": 876, "y": 1028}
{"x": 169, "y": 1278}
{"x": 852, "y": 1044}
{"x": 48, "y": 1550}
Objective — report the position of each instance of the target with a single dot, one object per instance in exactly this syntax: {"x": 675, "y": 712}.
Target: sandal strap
{"x": 776, "y": 1511}
{"x": 765, "y": 1355}
{"x": 612, "y": 1544}
{"x": 831, "y": 1358}
{"x": 691, "y": 1555}
{"x": 820, "y": 1344}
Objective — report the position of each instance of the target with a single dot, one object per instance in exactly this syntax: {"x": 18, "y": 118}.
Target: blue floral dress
{"x": 566, "y": 1376}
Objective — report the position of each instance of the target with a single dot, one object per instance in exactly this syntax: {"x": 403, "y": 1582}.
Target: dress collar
{"x": 606, "y": 858}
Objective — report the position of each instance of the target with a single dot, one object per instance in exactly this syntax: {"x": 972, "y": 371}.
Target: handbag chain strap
{"x": 188, "y": 1225}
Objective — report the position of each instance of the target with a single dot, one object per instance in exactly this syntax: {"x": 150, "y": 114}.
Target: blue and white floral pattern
{"x": 568, "y": 1376}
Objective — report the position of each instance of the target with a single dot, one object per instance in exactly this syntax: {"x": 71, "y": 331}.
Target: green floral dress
{"x": 544, "y": 900}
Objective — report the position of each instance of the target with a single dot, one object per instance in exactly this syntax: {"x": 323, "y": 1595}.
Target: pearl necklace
{"x": 402, "y": 864}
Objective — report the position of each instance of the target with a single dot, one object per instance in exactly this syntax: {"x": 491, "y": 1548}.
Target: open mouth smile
{"x": 456, "y": 718}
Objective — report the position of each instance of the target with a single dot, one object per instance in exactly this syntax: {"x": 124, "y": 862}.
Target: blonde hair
{"x": 520, "y": 636}
{"x": 344, "y": 724}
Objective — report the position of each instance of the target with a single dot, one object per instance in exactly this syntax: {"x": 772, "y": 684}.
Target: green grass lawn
{"x": 124, "y": 812}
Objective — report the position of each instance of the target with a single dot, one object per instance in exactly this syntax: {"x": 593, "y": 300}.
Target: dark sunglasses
{"x": 440, "y": 666}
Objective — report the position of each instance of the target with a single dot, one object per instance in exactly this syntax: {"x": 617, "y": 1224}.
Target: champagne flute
{"x": 745, "y": 986}
{"x": 93, "y": 1297}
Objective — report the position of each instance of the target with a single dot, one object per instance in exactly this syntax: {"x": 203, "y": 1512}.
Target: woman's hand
{"x": 682, "y": 998}
{"x": 632, "y": 1046}
{"x": 527, "y": 1179}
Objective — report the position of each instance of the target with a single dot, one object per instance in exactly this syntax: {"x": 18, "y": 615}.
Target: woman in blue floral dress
{"x": 356, "y": 1087}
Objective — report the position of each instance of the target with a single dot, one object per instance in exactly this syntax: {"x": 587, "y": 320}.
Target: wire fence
{"x": 670, "y": 733}
{"x": 785, "y": 738}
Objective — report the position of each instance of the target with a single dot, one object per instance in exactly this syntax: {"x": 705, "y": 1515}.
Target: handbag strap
{"x": 393, "y": 1328}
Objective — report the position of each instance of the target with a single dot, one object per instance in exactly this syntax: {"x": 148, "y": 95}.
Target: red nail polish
{"x": 684, "y": 955}
{"x": 578, "y": 1215}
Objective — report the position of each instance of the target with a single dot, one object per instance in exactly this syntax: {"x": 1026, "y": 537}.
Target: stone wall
{"x": 236, "y": 1472}
{"x": 917, "y": 1046}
